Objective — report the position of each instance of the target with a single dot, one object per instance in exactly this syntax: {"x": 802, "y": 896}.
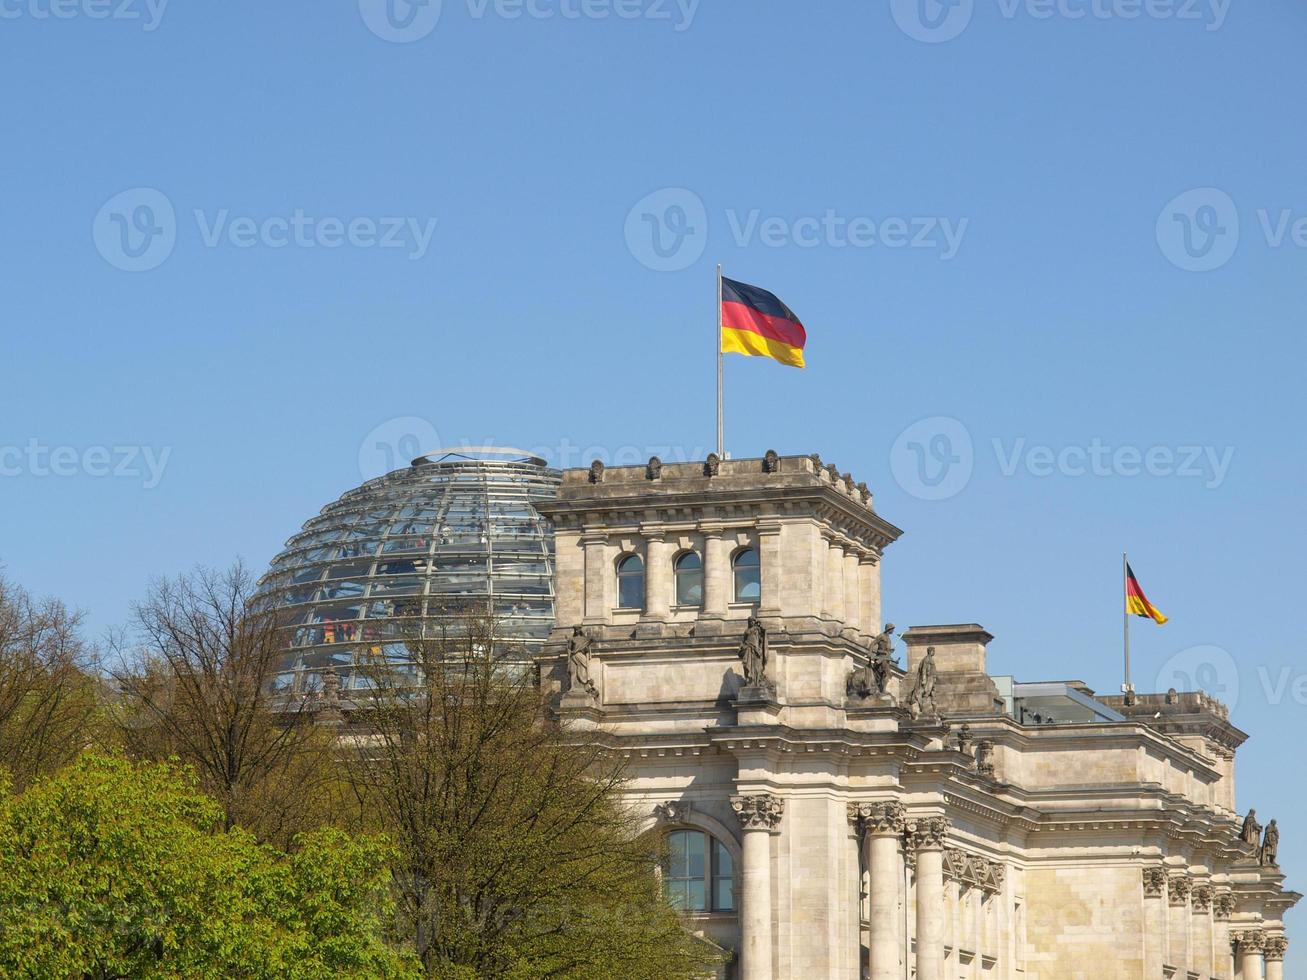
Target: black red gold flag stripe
{"x": 1136, "y": 603}
{"x": 756, "y": 323}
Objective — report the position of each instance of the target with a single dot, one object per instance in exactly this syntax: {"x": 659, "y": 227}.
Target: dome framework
{"x": 453, "y": 534}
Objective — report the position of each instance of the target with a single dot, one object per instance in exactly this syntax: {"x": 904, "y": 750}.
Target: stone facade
{"x": 910, "y": 827}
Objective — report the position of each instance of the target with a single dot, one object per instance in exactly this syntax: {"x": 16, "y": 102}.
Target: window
{"x": 700, "y": 875}
{"x": 748, "y": 582}
{"x": 689, "y": 580}
{"x": 630, "y": 583}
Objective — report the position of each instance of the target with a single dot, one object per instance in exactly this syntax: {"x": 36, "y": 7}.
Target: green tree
{"x": 115, "y": 870}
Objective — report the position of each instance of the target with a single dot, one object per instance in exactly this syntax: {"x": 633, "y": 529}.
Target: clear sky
{"x": 249, "y": 251}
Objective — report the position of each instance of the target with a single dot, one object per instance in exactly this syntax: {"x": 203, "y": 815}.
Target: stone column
{"x": 657, "y": 576}
{"x": 1252, "y": 944}
{"x": 869, "y": 593}
{"x": 1178, "y": 888}
{"x": 852, "y": 591}
{"x": 716, "y": 572}
{"x": 596, "y": 577}
{"x": 769, "y": 572}
{"x": 1222, "y": 953}
{"x": 1200, "y": 926}
{"x": 925, "y": 836}
{"x": 1276, "y": 946}
{"x": 834, "y": 591}
{"x": 760, "y": 816}
{"x": 882, "y": 825}
{"x": 1154, "y": 921}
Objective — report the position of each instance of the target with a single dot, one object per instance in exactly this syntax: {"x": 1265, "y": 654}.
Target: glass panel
{"x": 696, "y": 897}
{"x": 696, "y": 854}
{"x": 689, "y": 580}
{"x": 748, "y": 582}
{"x": 630, "y": 583}
{"x": 723, "y": 898}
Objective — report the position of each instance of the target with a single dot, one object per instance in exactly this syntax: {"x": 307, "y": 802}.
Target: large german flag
{"x": 1136, "y": 602}
{"x": 756, "y": 323}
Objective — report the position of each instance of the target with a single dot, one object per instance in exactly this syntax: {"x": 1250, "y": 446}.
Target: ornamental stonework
{"x": 1223, "y": 905}
{"x": 923, "y": 833}
{"x": 1276, "y": 947}
{"x": 1179, "y": 887}
{"x": 1254, "y": 940}
{"x": 973, "y": 871}
{"x": 759, "y": 812}
{"x": 1201, "y": 898}
{"x": 673, "y": 811}
{"x": 1154, "y": 882}
{"x": 885, "y": 818}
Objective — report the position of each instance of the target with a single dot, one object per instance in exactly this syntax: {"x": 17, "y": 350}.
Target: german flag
{"x": 756, "y": 323}
{"x": 1136, "y": 603}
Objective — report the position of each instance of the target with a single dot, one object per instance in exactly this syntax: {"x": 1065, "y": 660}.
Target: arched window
{"x": 630, "y": 583}
{"x": 699, "y": 875}
{"x": 748, "y": 581}
{"x": 689, "y": 580}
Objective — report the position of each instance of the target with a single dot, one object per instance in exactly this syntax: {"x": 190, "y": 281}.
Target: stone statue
{"x": 578, "y": 663}
{"x": 1251, "y": 832}
{"x": 985, "y": 757}
{"x": 964, "y": 739}
{"x": 921, "y": 699}
{"x": 712, "y": 465}
{"x": 771, "y": 463}
{"x": 654, "y": 470}
{"x": 753, "y": 653}
{"x": 1270, "y": 846}
{"x": 597, "y": 471}
{"x": 882, "y": 655}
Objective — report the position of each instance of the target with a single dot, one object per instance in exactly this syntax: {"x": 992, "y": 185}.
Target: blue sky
{"x": 1048, "y": 254}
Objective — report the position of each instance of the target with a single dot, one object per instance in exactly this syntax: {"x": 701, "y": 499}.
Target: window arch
{"x": 630, "y": 582}
{"x": 699, "y": 875}
{"x": 748, "y": 578}
{"x": 689, "y": 579}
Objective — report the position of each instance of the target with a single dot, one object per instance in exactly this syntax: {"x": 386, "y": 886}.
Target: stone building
{"x": 831, "y": 813}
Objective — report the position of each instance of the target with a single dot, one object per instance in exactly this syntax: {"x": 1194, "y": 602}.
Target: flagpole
{"x": 1127, "y": 688}
{"x": 721, "y": 433}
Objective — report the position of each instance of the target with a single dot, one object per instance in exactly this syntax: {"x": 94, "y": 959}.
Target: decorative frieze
{"x": 758, "y": 812}
{"x": 925, "y": 832}
{"x": 1178, "y": 887}
{"x": 1276, "y": 947}
{"x": 673, "y": 811}
{"x": 1201, "y": 899}
{"x": 1223, "y": 905}
{"x": 1251, "y": 941}
{"x": 879, "y": 819}
{"x": 973, "y": 870}
{"x": 1154, "y": 882}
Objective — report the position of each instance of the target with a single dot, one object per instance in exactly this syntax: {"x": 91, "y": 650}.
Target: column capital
{"x": 712, "y": 529}
{"x": 1201, "y": 897}
{"x": 591, "y": 536}
{"x": 652, "y": 532}
{"x": 1251, "y": 941}
{"x": 1276, "y": 947}
{"x": 925, "y": 833}
{"x": 1223, "y": 904}
{"x": 885, "y": 818}
{"x": 760, "y": 811}
{"x": 1178, "y": 887}
{"x": 1154, "y": 882}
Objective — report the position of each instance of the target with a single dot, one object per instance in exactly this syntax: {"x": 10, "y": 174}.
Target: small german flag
{"x": 756, "y": 323}
{"x": 1136, "y": 603}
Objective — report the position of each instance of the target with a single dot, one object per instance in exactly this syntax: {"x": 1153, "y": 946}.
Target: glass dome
{"x": 455, "y": 530}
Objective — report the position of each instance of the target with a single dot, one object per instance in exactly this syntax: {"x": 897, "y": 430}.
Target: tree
{"x": 514, "y": 855}
{"x": 198, "y": 686}
{"x": 48, "y": 704}
{"x": 114, "y": 870}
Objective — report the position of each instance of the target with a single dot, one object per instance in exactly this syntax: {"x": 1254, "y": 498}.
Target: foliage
{"x": 110, "y": 869}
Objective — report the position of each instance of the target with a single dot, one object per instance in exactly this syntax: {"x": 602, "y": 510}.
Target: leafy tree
{"x": 514, "y": 856}
{"x": 115, "y": 870}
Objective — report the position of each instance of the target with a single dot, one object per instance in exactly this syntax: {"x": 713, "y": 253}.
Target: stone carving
{"x": 771, "y": 463}
{"x": 879, "y": 818}
{"x": 816, "y": 461}
{"x": 973, "y": 870}
{"x": 1253, "y": 939}
{"x": 597, "y": 471}
{"x": 833, "y": 472}
{"x": 921, "y": 699}
{"x": 1154, "y": 881}
{"x": 1276, "y": 947}
{"x": 753, "y": 654}
{"x": 882, "y": 655}
{"x": 672, "y": 811}
{"x": 759, "y": 812}
{"x": 654, "y": 469}
{"x": 578, "y": 663}
{"x": 1223, "y": 905}
{"x": 1251, "y": 831}
{"x": 985, "y": 757}
{"x": 1178, "y": 889}
{"x": 712, "y": 465}
{"x": 1201, "y": 898}
{"x": 864, "y": 492}
{"x": 925, "y": 832}
{"x": 328, "y": 710}
{"x": 1270, "y": 850}
{"x": 962, "y": 739}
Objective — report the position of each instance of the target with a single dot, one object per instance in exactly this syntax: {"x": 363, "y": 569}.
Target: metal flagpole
{"x": 721, "y": 433}
{"x": 1127, "y": 688}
